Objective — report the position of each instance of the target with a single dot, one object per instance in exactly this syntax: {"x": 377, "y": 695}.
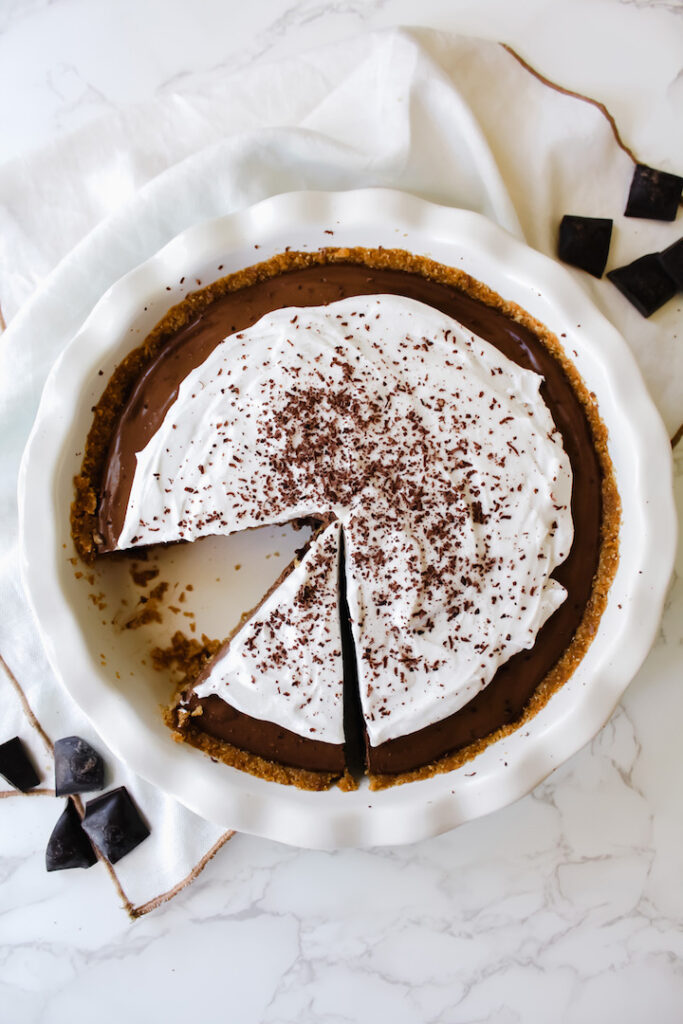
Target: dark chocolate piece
{"x": 672, "y": 261}
{"x": 114, "y": 824}
{"x": 78, "y": 768}
{"x": 584, "y": 243}
{"x": 69, "y": 846}
{"x": 654, "y": 194}
{"x": 645, "y": 283}
{"x": 16, "y": 767}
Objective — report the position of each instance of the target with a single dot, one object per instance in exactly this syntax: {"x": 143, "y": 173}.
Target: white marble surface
{"x": 567, "y": 906}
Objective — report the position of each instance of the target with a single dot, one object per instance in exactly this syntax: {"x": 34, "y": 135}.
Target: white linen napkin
{"x": 456, "y": 120}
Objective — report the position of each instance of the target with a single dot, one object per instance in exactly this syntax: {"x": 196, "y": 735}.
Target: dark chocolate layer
{"x": 266, "y": 739}
{"x": 505, "y": 697}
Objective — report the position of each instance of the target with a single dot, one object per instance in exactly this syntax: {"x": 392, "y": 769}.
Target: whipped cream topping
{"x": 436, "y": 454}
{"x": 285, "y": 664}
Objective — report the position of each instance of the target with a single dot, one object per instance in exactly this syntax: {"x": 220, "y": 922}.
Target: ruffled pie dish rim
{"x": 638, "y": 447}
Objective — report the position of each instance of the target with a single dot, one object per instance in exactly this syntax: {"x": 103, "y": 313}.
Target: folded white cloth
{"x": 455, "y": 120}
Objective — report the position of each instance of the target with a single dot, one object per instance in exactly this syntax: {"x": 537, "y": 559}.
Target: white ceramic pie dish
{"x": 107, "y": 668}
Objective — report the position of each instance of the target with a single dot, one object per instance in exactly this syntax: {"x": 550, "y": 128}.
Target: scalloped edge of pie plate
{"x": 505, "y": 770}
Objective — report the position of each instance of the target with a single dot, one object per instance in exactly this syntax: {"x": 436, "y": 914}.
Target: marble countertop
{"x": 566, "y": 906}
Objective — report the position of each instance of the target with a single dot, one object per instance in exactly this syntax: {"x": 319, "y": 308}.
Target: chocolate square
{"x": 654, "y": 194}
{"x": 78, "y": 768}
{"x": 584, "y": 242}
{"x": 672, "y": 261}
{"x": 114, "y": 824}
{"x": 69, "y": 846}
{"x": 645, "y": 283}
{"x": 16, "y": 766}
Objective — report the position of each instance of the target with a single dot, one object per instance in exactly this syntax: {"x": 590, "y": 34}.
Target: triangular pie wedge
{"x": 275, "y": 688}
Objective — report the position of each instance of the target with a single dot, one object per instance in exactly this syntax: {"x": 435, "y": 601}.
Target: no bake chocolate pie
{"x": 454, "y": 470}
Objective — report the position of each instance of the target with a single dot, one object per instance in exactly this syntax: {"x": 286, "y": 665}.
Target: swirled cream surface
{"x": 434, "y": 453}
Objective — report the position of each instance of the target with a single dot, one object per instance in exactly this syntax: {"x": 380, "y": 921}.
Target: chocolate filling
{"x": 504, "y": 699}
{"x": 275, "y": 743}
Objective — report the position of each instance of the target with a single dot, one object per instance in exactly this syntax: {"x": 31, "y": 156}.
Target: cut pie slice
{"x": 275, "y": 688}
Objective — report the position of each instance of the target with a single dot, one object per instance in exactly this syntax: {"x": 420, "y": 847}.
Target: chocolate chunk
{"x": 654, "y": 194}
{"x": 114, "y": 824}
{"x": 69, "y": 846}
{"x": 478, "y": 514}
{"x": 78, "y": 768}
{"x": 672, "y": 261}
{"x": 584, "y": 242}
{"x": 16, "y": 766}
{"x": 645, "y": 283}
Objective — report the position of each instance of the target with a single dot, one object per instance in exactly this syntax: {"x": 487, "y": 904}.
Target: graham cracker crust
{"x": 105, "y": 414}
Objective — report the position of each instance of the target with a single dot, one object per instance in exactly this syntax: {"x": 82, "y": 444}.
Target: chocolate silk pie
{"x": 454, "y": 471}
